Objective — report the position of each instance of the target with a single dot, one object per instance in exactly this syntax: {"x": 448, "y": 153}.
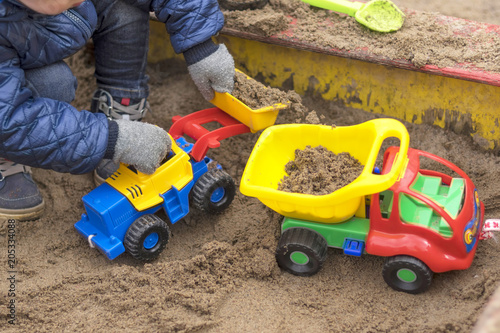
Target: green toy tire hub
{"x": 299, "y": 258}
{"x": 406, "y": 275}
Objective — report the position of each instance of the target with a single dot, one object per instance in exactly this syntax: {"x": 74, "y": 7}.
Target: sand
{"x": 426, "y": 37}
{"x": 319, "y": 171}
{"x": 218, "y": 273}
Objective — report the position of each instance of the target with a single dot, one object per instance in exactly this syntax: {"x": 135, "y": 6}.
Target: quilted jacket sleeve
{"x": 42, "y": 132}
{"x": 188, "y": 22}
{"x": 45, "y": 133}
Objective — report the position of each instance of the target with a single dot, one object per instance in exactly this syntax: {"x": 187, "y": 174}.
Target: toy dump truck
{"x": 121, "y": 213}
{"x": 423, "y": 221}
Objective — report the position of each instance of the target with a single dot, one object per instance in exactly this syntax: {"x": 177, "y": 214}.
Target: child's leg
{"x": 19, "y": 196}
{"x": 121, "y": 47}
{"x": 41, "y": 81}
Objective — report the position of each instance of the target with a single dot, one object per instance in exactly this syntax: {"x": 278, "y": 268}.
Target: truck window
{"x": 385, "y": 198}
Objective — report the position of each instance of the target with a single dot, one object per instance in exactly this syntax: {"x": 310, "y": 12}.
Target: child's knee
{"x": 55, "y": 81}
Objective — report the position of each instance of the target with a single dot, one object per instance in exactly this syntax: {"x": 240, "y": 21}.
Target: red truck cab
{"x": 415, "y": 218}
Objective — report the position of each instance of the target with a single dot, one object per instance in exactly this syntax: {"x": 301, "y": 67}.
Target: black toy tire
{"x": 301, "y": 251}
{"x": 214, "y": 191}
{"x": 242, "y": 4}
{"x": 146, "y": 237}
{"x": 416, "y": 271}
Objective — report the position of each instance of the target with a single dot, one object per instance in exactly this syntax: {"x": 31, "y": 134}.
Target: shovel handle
{"x": 341, "y": 6}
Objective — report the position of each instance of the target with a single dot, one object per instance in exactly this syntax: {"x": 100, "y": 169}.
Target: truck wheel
{"x": 408, "y": 274}
{"x": 214, "y": 191}
{"x": 301, "y": 251}
{"x": 146, "y": 237}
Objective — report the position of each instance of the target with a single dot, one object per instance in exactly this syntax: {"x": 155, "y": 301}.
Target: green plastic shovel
{"x": 378, "y": 15}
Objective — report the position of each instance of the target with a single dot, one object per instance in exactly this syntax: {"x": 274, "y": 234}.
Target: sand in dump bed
{"x": 319, "y": 171}
{"x": 218, "y": 273}
{"x": 256, "y": 95}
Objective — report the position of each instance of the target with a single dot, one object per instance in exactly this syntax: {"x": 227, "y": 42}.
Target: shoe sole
{"x": 26, "y": 214}
{"x": 98, "y": 180}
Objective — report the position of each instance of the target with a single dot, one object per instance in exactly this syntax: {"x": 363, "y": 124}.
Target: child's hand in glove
{"x": 211, "y": 67}
{"x": 141, "y": 144}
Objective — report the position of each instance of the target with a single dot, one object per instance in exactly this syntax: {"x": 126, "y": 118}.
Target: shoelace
{"x": 9, "y": 168}
{"x": 115, "y": 110}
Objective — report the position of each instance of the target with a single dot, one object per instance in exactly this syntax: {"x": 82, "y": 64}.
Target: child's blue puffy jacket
{"x": 50, "y": 134}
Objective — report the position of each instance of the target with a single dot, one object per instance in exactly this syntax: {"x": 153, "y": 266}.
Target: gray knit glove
{"x": 141, "y": 144}
{"x": 215, "y": 72}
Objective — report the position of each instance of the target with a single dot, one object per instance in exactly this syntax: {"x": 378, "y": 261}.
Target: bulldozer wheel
{"x": 214, "y": 191}
{"x": 146, "y": 237}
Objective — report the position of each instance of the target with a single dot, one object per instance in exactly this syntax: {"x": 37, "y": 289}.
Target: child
{"x": 39, "y": 128}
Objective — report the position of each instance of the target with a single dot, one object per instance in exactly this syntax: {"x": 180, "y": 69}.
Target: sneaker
{"x": 20, "y": 198}
{"x": 242, "y": 4}
{"x": 102, "y": 101}
{"x": 125, "y": 108}
{"x": 104, "y": 169}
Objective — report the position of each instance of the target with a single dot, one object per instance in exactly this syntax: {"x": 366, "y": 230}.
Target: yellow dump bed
{"x": 276, "y": 147}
